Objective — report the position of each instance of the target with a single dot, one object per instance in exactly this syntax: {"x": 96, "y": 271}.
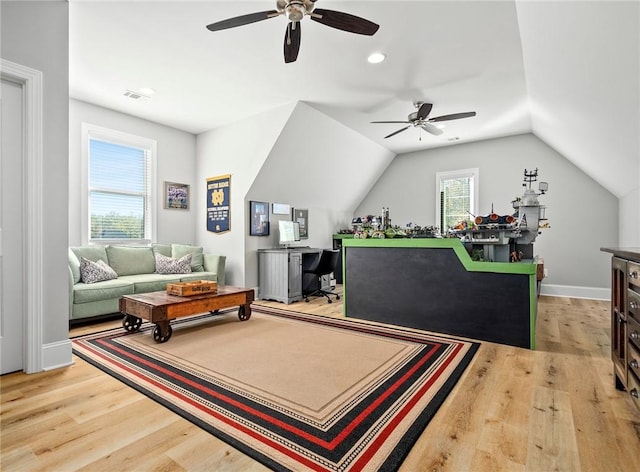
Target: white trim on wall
{"x": 56, "y": 355}
{"x": 31, "y": 81}
{"x": 91, "y": 131}
{"x": 571, "y": 291}
{"x": 455, "y": 174}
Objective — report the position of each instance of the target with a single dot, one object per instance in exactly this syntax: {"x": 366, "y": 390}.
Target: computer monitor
{"x": 289, "y": 232}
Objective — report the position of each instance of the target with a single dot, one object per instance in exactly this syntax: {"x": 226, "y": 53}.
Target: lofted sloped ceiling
{"x": 567, "y": 71}
{"x": 582, "y": 65}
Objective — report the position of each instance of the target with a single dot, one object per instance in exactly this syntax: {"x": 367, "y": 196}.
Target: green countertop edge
{"x": 525, "y": 268}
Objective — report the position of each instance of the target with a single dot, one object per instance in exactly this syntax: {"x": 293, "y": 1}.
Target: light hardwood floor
{"x": 553, "y": 409}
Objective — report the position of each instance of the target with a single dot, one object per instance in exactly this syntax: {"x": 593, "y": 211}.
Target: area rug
{"x": 293, "y": 391}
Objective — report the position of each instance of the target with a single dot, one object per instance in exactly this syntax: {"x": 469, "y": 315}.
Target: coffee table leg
{"x": 131, "y": 323}
{"x": 244, "y": 312}
{"x": 162, "y": 332}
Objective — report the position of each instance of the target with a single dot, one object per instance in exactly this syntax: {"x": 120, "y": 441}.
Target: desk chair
{"x": 325, "y": 265}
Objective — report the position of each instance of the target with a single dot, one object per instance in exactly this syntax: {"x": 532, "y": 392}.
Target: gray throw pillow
{"x": 92, "y": 272}
{"x": 169, "y": 265}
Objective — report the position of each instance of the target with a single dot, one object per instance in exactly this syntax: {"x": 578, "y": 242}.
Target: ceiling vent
{"x": 135, "y": 95}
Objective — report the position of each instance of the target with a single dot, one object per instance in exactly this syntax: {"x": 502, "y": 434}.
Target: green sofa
{"x": 135, "y": 267}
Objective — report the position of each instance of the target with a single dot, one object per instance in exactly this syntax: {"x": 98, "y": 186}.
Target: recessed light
{"x": 376, "y": 58}
{"x": 147, "y": 91}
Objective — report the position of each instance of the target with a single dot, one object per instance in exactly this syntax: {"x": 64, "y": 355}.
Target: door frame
{"x": 31, "y": 81}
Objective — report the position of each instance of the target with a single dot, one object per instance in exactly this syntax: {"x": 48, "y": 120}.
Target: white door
{"x": 12, "y": 307}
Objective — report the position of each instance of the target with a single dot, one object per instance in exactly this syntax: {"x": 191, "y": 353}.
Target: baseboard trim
{"x": 571, "y": 291}
{"x": 56, "y": 355}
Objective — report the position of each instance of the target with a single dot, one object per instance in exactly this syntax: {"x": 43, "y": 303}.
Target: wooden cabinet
{"x": 280, "y": 276}
{"x": 619, "y": 320}
{"x": 633, "y": 337}
{"x": 625, "y": 320}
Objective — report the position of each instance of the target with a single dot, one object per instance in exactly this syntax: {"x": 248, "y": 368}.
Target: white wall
{"x": 583, "y": 215}
{"x": 629, "y": 217}
{"x": 35, "y": 34}
{"x": 320, "y": 165}
{"x": 176, "y": 152}
{"x": 239, "y": 149}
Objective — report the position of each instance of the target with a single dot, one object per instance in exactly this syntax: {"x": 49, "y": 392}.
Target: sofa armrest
{"x": 70, "y": 291}
{"x": 216, "y": 264}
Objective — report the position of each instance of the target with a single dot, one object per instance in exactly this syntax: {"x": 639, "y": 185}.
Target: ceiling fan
{"x": 295, "y": 11}
{"x": 420, "y": 119}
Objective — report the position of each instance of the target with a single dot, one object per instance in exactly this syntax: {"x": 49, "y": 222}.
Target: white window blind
{"x": 457, "y": 196}
{"x": 120, "y": 171}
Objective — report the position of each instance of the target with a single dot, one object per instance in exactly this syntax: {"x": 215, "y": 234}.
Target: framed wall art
{"x": 280, "y": 209}
{"x": 259, "y": 214}
{"x": 302, "y": 217}
{"x": 176, "y": 196}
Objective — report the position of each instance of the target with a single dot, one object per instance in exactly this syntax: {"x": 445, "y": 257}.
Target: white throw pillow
{"x": 169, "y": 265}
{"x": 92, "y": 272}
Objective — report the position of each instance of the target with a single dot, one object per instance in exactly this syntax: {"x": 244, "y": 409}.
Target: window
{"x": 119, "y": 196}
{"x": 456, "y": 198}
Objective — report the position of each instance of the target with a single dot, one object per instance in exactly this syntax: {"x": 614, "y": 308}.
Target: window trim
{"x": 90, "y": 131}
{"x": 454, "y": 174}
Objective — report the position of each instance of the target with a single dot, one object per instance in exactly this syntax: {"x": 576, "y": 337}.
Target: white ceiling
{"x": 547, "y": 67}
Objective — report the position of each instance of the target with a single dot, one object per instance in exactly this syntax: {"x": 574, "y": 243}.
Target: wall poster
{"x": 219, "y": 204}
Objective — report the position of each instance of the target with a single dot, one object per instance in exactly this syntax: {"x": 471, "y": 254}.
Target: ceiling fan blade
{"x": 396, "y": 132}
{"x": 429, "y": 128}
{"x": 391, "y": 122}
{"x": 455, "y": 116}
{"x": 344, "y": 21}
{"x": 292, "y": 42}
{"x": 243, "y": 20}
{"x": 424, "y": 111}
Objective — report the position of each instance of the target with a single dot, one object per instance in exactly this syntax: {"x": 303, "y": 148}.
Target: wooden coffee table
{"x": 160, "y": 308}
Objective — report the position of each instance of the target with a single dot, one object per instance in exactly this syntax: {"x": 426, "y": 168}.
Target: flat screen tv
{"x": 289, "y": 232}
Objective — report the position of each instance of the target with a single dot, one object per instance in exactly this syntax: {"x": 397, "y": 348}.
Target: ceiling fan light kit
{"x": 420, "y": 119}
{"x": 295, "y": 11}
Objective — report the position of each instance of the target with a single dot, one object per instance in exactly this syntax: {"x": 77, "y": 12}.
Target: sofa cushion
{"x": 92, "y": 272}
{"x": 159, "y": 248}
{"x": 169, "y": 265}
{"x": 143, "y": 283}
{"x": 93, "y": 253}
{"x": 109, "y": 289}
{"x": 197, "y": 260}
{"x": 130, "y": 260}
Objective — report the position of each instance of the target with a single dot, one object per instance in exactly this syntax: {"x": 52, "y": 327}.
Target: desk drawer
{"x": 633, "y": 332}
{"x": 633, "y": 270}
{"x": 633, "y": 304}
{"x": 633, "y": 387}
{"x": 634, "y": 360}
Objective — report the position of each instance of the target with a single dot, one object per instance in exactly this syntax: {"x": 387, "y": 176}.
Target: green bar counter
{"x": 432, "y": 284}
